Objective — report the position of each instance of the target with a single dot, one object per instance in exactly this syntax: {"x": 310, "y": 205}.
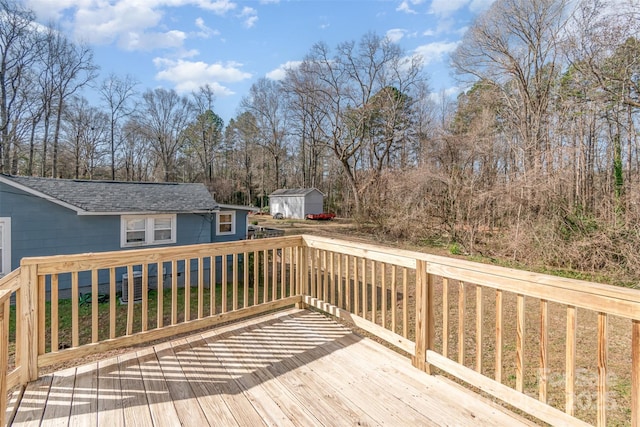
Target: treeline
{"x": 536, "y": 161}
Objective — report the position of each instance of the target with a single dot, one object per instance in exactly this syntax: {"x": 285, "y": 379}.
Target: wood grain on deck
{"x": 293, "y": 368}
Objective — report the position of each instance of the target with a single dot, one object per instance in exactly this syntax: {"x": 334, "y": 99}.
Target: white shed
{"x": 296, "y": 203}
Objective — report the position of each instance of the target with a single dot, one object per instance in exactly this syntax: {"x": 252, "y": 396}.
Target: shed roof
{"x": 238, "y": 207}
{"x": 294, "y": 192}
{"x": 116, "y": 197}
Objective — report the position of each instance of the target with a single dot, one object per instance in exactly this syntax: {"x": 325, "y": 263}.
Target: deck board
{"x": 211, "y": 399}
{"x": 184, "y": 399}
{"x": 163, "y": 412}
{"x": 109, "y": 394}
{"x": 32, "y": 404}
{"x": 85, "y": 398}
{"x": 135, "y": 405}
{"x": 249, "y": 389}
{"x": 288, "y": 366}
{"x": 293, "y": 368}
{"x": 58, "y": 408}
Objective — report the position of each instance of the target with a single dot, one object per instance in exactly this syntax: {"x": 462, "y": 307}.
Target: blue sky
{"x": 184, "y": 44}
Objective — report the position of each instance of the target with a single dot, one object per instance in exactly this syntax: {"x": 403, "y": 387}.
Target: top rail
{"x": 101, "y": 260}
{"x": 10, "y": 282}
{"x": 613, "y": 300}
{"x": 398, "y": 257}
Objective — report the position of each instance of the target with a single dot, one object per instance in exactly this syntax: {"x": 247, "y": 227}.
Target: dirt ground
{"x": 328, "y": 228}
{"x": 338, "y": 228}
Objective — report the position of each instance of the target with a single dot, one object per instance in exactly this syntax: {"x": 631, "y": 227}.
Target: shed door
{"x": 5, "y": 246}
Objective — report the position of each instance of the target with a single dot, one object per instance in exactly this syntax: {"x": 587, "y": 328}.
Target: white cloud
{"x": 477, "y": 6}
{"x": 205, "y": 31}
{"x": 448, "y": 93}
{"x": 280, "y": 72}
{"x": 250, "y": 21}
{"x": 434, "y": 52}
{"x": 150, "y": 41}
{"x": 406, "y": 6}
{"x": 48, "y": 10}
{"x": 109, "y": 23}
{"x": 445, "y": 25}
{"x": 190, "y": 75}
{"x": 396, "y": 34}
{"x": 250, "y": 16}
{"x": 219, "y": 7}
{"x": 447, "y": 7}
{"x": 106, "y": 21}
{"x": 461, "y": 31}
{"x": 247, "y": 11}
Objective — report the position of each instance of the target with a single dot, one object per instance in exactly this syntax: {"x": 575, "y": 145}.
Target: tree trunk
{"x": 56, "y": 139}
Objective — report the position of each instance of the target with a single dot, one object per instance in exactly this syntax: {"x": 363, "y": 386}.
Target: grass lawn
{"x": 197, "y": 304}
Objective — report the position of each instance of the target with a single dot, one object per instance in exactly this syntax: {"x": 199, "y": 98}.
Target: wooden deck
{"x": 294, "y": 367}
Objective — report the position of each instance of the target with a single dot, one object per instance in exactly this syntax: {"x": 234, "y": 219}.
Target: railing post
{"x": 302, "y": 287}
{"x": 4, "y": 357}
{"x": 27, "y": 325}
{"x": 425, "y": 328}
{"x": 635, "y": 373}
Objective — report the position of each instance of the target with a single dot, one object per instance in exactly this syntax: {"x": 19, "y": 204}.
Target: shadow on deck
{"x": 294, "y": 367}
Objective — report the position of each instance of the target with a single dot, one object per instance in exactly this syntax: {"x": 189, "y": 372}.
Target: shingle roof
{"x": 119, "y": 197}
{"x": 293, "y": 192}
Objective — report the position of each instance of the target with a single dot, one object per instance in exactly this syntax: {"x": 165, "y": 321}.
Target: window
{"x": 138, "y": 230}
{"x": 226, "y": 223}
{"x": 162, "y": 229}
{"x": 5, "y": 246}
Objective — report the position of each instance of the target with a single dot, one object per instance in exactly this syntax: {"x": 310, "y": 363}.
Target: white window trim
{"x": 6, "y": 246}
{"x": 233, "y": 223}
{"x": 149, "y": 230}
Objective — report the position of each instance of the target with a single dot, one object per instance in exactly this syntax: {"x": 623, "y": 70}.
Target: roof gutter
{"x": 199, "y": 211}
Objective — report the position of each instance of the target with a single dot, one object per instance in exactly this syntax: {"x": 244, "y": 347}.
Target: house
{"x": 296, "y": 203}
{"x": 43, "y": 216}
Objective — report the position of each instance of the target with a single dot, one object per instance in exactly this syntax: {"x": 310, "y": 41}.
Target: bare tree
{"x": 241, "y": 138}
{"x": 306, "y": 125}
{"x": 204, "y": 135}
{"x": 344, "y": 89}
{"x": 71, "y": 69}
{"x": 603, "y": 47}
{"x": 117, "y": 92}
{"x": 20, "y": 47}
{"x": 162, "y": 119}
{"x": 265, "y": 103}
{"x": 604, "y": 52}
{"x": 515, "y": 46}
{"x": 138, "y": 164}
{"x": 86, "y": 129}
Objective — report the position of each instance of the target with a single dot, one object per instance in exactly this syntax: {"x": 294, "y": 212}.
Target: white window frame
{"x": 149, "y": 235}
{"x": 6, "y": 246}
{"x": 219, "y": 223}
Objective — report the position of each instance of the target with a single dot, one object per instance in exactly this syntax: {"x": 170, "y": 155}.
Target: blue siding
{"x": 40, "y": 228}
{"x": 241, "y": 228}
{"x": 192, "y": 228}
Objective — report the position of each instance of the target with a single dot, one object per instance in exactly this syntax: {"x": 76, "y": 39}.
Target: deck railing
{"x": 9, "y": 375}
{"x": 538, "y": 343}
